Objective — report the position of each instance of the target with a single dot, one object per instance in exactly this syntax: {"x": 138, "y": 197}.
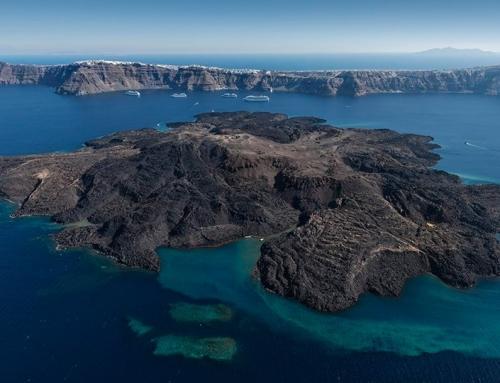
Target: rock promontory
{"x": 344, "y": 211}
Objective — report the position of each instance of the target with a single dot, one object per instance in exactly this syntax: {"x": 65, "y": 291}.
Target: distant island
{"x": 98, "y": 76}
{"x": 450, "y": 51}
{"x": 343, "y": 211}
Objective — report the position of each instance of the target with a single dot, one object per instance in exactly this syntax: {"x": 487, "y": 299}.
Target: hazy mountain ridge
{"x": 446, "y": 51}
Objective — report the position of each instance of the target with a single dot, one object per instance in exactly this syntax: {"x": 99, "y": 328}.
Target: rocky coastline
{"x": 349, "y": 210}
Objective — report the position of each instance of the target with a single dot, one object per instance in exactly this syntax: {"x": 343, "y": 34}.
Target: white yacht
{"x": 257, "y": 98}
{"x": 179, "y": 95}
{"x": 230, "y": 95}
{"x": 133, "y": 93}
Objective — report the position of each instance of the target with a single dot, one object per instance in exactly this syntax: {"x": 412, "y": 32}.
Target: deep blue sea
{"x": 412, "y": 61}
{"x": 72, "y": 316}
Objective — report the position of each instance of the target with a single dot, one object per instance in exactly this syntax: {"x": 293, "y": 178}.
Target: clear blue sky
{"x": 234, "y": 26}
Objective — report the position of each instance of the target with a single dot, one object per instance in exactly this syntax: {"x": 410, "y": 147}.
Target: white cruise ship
{"x": 133, "y": 93}
{"x": 179, "y": 95}
{"x": 257, "y": 98}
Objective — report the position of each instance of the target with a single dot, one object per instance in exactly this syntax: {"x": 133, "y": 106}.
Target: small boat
{"x": 179, "y": 95}
{"x": 133, "y": 93}
{"x": 257, "y": 98}
{"x": 162, "y": 127}
{"x": 230, "y": 95}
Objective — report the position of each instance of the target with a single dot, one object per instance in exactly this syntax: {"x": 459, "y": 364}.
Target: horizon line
{"x": 430, "y": 50}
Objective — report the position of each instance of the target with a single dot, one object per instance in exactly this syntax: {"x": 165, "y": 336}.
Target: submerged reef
{"x": 138, "y": 327}
{"x": 347, "y": 210}
{"x": 187, "y": 312}
{"x": 217, "y": 348}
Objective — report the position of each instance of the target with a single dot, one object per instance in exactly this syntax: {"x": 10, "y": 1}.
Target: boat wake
{"x": 475, "y": 146}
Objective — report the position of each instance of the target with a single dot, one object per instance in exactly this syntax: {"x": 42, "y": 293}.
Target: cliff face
{"x": 101, "y": 76}
{"x": 104, "y": 77}
{"x": 349, "y": 210}
{"x": 52, "y": 75}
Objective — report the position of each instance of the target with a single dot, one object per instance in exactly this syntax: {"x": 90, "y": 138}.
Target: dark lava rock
{"x": 349, "y": 210}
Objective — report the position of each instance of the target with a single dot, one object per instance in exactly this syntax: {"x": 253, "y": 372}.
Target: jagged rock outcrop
{"x": 347, "y": 210}
{"x": 102, "y": 76}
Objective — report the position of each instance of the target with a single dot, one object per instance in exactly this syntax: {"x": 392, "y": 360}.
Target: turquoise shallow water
{"x": 429, "y": 317}
{"x": 74, "y": 316}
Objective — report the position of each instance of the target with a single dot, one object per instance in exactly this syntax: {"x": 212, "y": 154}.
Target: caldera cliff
{"x": 91, "y": 77}
{"x": 344, "y": 211}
